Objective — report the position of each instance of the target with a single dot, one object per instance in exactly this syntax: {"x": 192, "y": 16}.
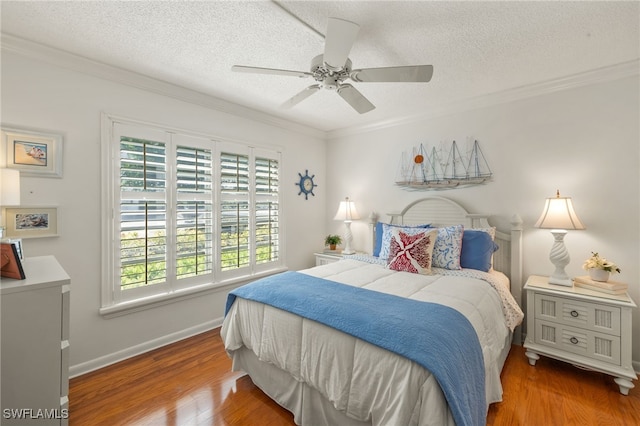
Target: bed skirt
{"x": 310, "y": 408}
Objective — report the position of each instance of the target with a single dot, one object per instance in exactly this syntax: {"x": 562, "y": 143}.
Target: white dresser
{"x": 583, "y": 327}
{"x": 35, "y": 345}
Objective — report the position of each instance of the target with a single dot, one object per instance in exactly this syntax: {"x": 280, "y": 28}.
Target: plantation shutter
{"x": 267, "y": 211}
{"x": 194, "y": 248}
{"x": 234, "y": 209}
{"x": 142, "y": 211}
{"x": 184, "y": 213}
{"x": 166, "y": 217}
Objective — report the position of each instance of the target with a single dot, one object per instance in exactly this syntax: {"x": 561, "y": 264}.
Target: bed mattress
{"x": 324, "y": 376}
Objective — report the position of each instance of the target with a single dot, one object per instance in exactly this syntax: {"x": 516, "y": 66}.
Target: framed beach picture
{"x": 32, "y": 222}
{"x": 33, "y": 153}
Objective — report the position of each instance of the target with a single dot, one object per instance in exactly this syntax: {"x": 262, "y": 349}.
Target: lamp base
{"x": 559, "y": 256}
{"x": 347, "y": 239}
{"x": 567, "y": 282}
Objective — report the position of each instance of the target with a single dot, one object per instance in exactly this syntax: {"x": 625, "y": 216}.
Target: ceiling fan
{"x": 333, "y": 67}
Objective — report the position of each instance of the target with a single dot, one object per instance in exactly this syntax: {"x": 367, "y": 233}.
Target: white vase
{"x": 599, "y": 274}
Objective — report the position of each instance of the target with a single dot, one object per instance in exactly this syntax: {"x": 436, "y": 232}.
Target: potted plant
{"x": 599, "y": 268}
{"x": 332, "y": 241}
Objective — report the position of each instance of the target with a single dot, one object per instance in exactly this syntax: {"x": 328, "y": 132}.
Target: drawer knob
{"x": 574, "y": 314}
{"x": 574, "y": 340}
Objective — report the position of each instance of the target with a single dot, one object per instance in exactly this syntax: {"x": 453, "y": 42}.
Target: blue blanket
{"x": 435, "y": 336}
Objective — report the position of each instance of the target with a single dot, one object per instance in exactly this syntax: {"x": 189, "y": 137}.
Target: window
{"x": 186, "y": 212}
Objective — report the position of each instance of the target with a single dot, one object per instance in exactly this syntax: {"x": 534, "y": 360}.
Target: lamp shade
{"x": 9, "y": 187}
{"x": 347, "y": 211}
{"x": 558, "y": 213}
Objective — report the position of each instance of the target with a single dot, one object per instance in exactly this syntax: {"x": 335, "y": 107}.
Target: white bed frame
{"x": 440, "y": 211}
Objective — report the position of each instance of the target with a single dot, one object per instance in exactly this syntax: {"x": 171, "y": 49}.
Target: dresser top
{"x": 541, "y": 283}
{"x": 40, "y": 272}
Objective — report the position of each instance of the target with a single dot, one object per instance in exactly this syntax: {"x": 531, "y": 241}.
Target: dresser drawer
{"x": 578, "y": 313}
{"x": 600, "y": 346}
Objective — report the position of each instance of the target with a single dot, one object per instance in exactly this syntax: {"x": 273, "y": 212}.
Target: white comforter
{"x": 366, "y": 382}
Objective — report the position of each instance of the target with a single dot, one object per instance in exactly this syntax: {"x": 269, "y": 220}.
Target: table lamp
{"x": 347, "y": 213}
{"x": 559, "y": 216}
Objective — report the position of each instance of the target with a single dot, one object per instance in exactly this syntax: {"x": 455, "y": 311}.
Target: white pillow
{"x": 491, "y": 231}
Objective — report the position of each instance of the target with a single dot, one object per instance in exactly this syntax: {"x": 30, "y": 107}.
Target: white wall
{"x": 37, "y": 95}
{"x": 584, "y": 141}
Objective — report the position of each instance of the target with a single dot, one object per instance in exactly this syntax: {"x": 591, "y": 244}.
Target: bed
{"x": 411, "y": 334}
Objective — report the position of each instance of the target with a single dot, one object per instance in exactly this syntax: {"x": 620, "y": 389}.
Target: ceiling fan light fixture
{"x": 341, "y": 35}
{"x": 331, "y": 82}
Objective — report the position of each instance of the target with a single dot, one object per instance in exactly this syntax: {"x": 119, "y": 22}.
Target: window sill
{"x": 150, "y": 302}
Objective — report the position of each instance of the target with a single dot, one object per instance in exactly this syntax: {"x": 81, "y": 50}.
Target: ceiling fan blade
{"x": 355, "y": 98}
{"x": 340, "y": 37}
{"x": 296, "y": 99}
{"x": 258, "y": 70}
{"x": 414, "y": 73}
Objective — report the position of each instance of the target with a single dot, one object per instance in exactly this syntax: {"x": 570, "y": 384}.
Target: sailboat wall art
{"x": 445, "y": 167}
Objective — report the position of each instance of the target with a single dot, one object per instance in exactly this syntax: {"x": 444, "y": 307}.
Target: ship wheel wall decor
{"x": 306, "y": 185}
{"x": 444, "y": 168}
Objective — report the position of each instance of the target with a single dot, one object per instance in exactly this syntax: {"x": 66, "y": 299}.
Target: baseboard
{"x": 103, "y": 361}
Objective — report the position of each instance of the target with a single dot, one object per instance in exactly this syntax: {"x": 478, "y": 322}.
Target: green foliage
{"x": 332, "y": 239}
{"x": 144, "y": 260}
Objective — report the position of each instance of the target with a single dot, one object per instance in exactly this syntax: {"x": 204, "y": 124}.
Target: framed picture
{"x": 33, "y": 153}
{"x": 31, "y": 222}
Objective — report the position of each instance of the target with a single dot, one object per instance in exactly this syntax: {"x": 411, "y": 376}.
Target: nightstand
{"x": 324, "y": 258}
{"x": 586, "y": 328}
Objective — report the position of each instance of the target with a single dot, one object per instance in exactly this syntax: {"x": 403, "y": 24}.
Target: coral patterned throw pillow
{"x": 412, "y": 253}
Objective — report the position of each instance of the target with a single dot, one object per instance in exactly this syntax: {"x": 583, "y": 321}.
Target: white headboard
{"x": 440, "y": 211}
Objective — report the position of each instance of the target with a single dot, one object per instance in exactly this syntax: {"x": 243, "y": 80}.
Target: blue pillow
{"x": 477, "y": 249}
{"x": 378, "y": 246}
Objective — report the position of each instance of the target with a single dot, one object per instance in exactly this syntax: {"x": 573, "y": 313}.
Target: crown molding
{"x": 63, "y": 59}
{"x": 37, "y": 51}
{"x": 595, "y": 76}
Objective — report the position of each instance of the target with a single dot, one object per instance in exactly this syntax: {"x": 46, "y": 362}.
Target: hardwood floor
{"x": 191, "y": 383}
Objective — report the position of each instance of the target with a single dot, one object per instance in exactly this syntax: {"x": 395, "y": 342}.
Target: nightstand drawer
{"x": 326, "y": 258}
{"x": 578, "y": 313}
{"x": 600, "y": 346}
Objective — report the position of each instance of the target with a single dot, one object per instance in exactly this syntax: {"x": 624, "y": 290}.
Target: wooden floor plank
{"x": 190, "y": 383}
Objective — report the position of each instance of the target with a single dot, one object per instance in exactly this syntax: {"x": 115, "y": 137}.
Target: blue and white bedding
{"x": 364, "y": 382}
{"x": 512, "y": 312}
{"x": 455, "y": 359}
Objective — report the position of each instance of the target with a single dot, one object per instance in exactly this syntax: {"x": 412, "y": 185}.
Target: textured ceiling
{"x": 476, "y": 48}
